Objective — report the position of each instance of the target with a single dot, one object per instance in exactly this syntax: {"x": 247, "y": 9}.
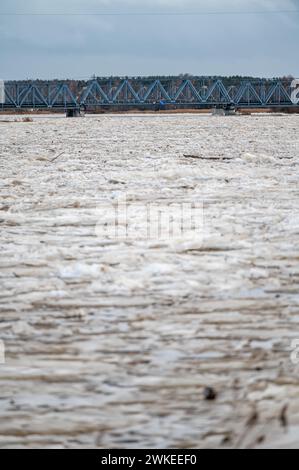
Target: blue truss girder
{"x": 180, "y": 91}
{"x": 220, "y": 88}
{"x": 246, "y": 92}
{"x": 157, "y": 85}
{"x": 92, "y": 91}
{"x": 278, "y": 88}
{"x": 65, "y": 93}
{"x": 127, "y": 87}
{"x": 35, "y": 95}
{"x": 187, "y": 84}
{"x": 9, "y": 100}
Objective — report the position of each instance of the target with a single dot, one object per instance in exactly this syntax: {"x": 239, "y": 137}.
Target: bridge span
{"x": 143, "y": 93}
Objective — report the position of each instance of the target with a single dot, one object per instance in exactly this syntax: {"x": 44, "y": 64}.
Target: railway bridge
{"x": 143, "y": 93}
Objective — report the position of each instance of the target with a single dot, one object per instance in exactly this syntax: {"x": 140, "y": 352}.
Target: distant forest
{"x": 200, "y": 80}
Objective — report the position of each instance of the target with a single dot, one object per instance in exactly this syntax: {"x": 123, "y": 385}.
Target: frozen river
{"x": 142, "y": 341}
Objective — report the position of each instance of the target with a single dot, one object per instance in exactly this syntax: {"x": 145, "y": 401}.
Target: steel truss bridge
{"x": 146, "y": 93}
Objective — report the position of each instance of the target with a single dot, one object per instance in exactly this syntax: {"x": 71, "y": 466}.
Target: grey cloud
{"x": 78, "y": 46}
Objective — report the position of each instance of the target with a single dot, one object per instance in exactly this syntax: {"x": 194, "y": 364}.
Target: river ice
{"x": 112, "y": 342}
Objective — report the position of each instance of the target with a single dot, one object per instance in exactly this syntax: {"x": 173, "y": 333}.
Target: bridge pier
{"x": 72, "y": 113}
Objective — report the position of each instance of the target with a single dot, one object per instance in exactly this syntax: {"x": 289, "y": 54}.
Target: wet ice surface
{"x": 112, "y": 343}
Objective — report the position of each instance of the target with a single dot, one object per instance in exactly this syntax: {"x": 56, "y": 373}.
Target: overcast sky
{"x": 80, "y": 46}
